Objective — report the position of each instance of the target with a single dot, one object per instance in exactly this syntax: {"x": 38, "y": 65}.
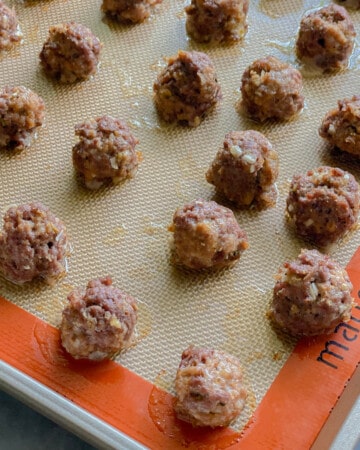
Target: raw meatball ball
{"x": 326, "y": 38}
{"x": 341, "y": 126}
{"x": 323, "y": 204}
{"x": 217, "y": 20}
{"x": 71, "y": 53}
{"x": 22, "y": 112}
{"x": 132, "y": 11}
{"x": 271, "y": 89}
{"x": 209, "y": 388}
{"x": 187, "y": 89}
{"x": 206, "y": 235}
{"x": 106, "y": 151}
{"x": 245, "y": 169}
{"x": 98, "y": 323}
{"x": 312, "y": 295}
{"x": 10, "y": 32}
{"x": 33, "y": 244}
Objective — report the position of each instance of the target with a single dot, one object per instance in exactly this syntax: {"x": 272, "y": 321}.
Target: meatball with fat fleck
{"x": 133, "y": 11}
{"x": 10, "y": 33}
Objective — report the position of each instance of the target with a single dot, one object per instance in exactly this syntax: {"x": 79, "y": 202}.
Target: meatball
{"x": 106, "y": 151}
{"x": 187, "y": 89}
{"x": 271, "y": 88}
{"x": 206, "y": 235}
{"x": 99, "y": 323}
{"x": 350, "y": 3}
{"x": 326, "y": 38}
{"x": 10, "y": 33}
{"x": 245, "y": 169}
{"x": 22, "y": 112}
{"x": 323, "y": 204}
{"x": 209, "y": 388}
{"x": 217, "y": 21}
{"x": 33, "y": 244}
{"x": 341, "y": 126}
{"x": 133, "y": 11}
{"x": 312, "y": 295}
{"x": 71, "y": 53}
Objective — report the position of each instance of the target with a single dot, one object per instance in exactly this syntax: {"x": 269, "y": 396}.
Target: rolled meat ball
{"x": 71, "y": 53}
{"x": 33, "y": 244}
{"x": 271, "y": 89}
{"x": 206, "y": 235}
{"x": 312, "y": 295}
{"x": 341, "y": 126}
{"x": 105, "y": 152}
{"x": 326, "y": 38}
{"x": 209, "y": 388}
{"x": 99, "y": 323}
{"x": 187, "y": 89}
{"x": 10, "y": 33}
{"x": 133, "y": 11}
{"x": 323, "y": 204}
{"x": 217, "y": 21}
{"x": 245, "y": 169}
{"x": 22, "y": 113}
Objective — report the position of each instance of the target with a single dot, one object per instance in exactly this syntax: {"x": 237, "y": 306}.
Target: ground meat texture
{"x": 206, "y": 235}
{"x": 10, "y": 33}
{"x": 245, "y": 169}
{"x": 133, "y": 11}
{"x": 209, "y": 388}
{"x": 323, "y": 204}
{"x": 33, "y": 244}
{"x": 217, "y": 21}
{"x": 71, "y": 53}
{"x": 187, "y": 89}
{"x": 99, "y": 323}
{"x": 22, "y": 112}
{"x": 271, "y": 89}
{"x": 341, "y": 126}
{"x": 106, "y": 151}
{"x": 312, "y": 295}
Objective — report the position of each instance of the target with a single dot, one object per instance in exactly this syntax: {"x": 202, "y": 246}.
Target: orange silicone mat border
{"x": 290, "y": 415}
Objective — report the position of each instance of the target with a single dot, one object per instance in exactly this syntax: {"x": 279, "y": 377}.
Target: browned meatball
{"x": 341, "y": 126}
{"x": 33, "y": 244}
{"x": 22, "y": 112}
{"x": 71, "y": 53}
{"x": 132, "y": 11}
{"x": 323, "y": 204}
{"x": 217, "y": 21}
{"x": 312, "y": 295}
{"x": 106, "y": 151}
{"x": 271, "y": 88}
{"x": 98, "y": 323}
{"x": 10, "y": 33}
{"x": 326, "y": 38}
{"x": 209, "y": 388}
{"x": 245, "y": 169}
{"x": 206, "y": 235}
{"x": 350, "y": 3}
{"x": 187, "y": 89}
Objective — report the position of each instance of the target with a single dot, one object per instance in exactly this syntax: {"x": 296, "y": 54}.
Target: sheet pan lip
{"x": 68, "y": 415}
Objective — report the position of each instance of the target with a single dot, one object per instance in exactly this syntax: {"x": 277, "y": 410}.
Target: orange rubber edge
{"x": 290, "y": 415}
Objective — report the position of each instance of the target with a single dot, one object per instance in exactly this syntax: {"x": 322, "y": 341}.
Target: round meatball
{"x": 323, "y": 204}
{"x": 245, "y": 169}
{"x": 133, "y": 11}
{"x": 99, "y": 323}
{"x": 33, "y": 244}
{"x": 341, "y": 126}
{"x": 312, "y": 295}
{"x": 71, "y": 53}
{"x": 22, "y": 112}
{"x": 10, "y": 33}
{"x": 187, "y": 89}
{"x": 217, "y": 21}
{"x": 209, "y": 388}
{"x": 271, "y": 88}
{"x": 206, "y": 235}
{"x": 106, "y": 151}
{"x": 326, "y": 38}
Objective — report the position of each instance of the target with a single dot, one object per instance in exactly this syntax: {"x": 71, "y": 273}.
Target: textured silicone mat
{"x": 122, "y": 231}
